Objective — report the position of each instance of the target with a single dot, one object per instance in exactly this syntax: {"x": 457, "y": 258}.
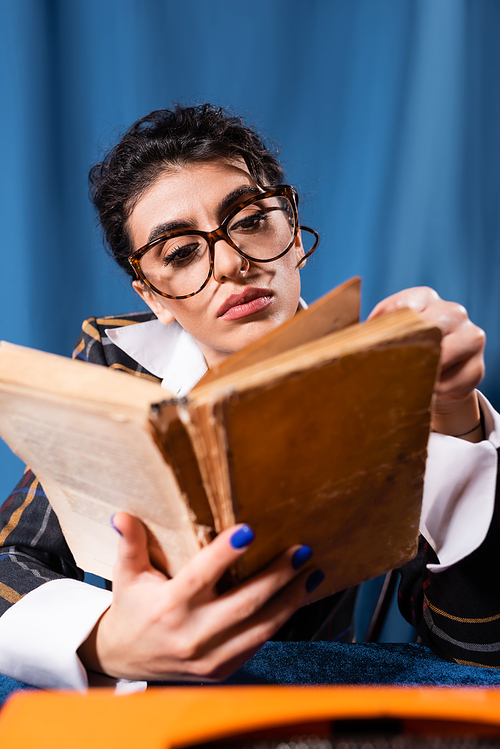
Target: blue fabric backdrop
{"x": 388, "y": 113}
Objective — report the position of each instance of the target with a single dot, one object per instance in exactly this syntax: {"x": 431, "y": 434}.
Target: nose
{"x": 228, "y": 263}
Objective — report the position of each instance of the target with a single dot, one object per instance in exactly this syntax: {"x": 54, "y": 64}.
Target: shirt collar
{"x": 166, "y": 351}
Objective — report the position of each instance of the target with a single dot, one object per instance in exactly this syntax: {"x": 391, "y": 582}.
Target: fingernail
{"x": 242, "y": 537}
{"x": 301, "y": 556}
{"x": 314, "y": 579}
{"x": 112, "y": 521}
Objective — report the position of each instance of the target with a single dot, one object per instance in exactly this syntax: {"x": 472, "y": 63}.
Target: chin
{"x": 250, "y": 331}
{"x": 216, "y": 351}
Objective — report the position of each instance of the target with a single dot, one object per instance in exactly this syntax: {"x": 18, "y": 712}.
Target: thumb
{"x": 133, "y": 556}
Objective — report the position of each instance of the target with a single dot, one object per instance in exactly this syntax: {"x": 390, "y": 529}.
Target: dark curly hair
{"x": 163, "y": 139}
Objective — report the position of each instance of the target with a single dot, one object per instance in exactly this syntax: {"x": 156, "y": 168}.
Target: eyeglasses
{"x": 262, "y": 228}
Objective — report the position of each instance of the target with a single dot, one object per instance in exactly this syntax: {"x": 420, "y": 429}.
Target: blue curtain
{"x": 387, "y": 111}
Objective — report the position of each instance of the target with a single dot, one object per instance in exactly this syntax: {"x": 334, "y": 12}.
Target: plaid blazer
{"x": 456, "y": 613}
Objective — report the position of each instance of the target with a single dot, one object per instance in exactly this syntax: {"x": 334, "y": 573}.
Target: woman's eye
{"x": 250, "y": 222}
{"x": 181, "y": 254}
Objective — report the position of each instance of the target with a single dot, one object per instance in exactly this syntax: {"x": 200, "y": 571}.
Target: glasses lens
{"x": 178, "y": 266}
{"x": 264, "y": 229}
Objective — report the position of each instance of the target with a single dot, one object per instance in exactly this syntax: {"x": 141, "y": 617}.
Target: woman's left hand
{"x": 456, "y": 409}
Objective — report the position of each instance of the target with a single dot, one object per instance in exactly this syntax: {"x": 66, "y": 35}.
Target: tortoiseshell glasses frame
{"x": 221, "y": 233}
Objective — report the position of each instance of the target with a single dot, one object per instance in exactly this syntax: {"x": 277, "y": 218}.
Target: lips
{"x": 248, "y": 302}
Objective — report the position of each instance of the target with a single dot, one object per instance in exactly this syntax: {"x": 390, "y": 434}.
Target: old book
{"x": 314, "y": 434}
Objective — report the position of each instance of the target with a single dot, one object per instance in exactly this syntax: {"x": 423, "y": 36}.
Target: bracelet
{"x": 480, "y": 424}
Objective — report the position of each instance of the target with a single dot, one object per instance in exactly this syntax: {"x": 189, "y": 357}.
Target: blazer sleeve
{"x": 33, "y": 549}
{"x": 457, "y": 612}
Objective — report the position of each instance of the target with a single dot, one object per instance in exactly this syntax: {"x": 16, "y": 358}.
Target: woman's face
{"x": 243, "y": 300}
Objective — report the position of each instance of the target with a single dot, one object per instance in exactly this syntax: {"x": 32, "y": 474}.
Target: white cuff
{"x": 40, "y": 634}
{"x": 459, "y": 492}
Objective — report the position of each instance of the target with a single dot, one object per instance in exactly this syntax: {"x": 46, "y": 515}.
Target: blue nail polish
{"x": 314, "y": 579}
{"x": 301, "y": 556}
{"x": 114, "y": 526}
{"x": 242, "y": 537}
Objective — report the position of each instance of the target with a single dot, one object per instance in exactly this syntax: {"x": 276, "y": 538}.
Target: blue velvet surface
{"x": 9, "y": 686}
{"x": 342, "y": 663}
{"x": 363, "y": 663}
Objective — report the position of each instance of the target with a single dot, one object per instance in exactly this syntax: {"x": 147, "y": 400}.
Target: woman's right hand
{"x": 165, "y": 629}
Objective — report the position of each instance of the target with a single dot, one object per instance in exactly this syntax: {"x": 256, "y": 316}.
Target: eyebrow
{"x": 226, "y": 202}
{"x": 239, "y": 192}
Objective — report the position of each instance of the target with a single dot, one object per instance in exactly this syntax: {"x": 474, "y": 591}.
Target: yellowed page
{"x": 95, "y": 452}
{"x": 51, "y": 374}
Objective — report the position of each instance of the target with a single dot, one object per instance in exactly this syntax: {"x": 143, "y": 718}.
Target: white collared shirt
{"x": 166, "y": 351}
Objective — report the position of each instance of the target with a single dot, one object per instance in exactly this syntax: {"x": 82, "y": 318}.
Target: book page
{"x": 59, "y": 376}
{"x": 93, "y": 464}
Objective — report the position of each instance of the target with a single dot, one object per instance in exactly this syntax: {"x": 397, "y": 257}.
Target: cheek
{"x": 287, "y": 285}
{"x": 289, "y": 275}
{"x": 190, "y": 313}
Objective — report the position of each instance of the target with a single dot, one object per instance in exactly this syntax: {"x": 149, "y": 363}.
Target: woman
{"x": 180, "y": 188}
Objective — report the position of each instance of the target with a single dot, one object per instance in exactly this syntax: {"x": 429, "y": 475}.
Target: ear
{"x": 298, "y": 249}
{"x": 154, "y": 302}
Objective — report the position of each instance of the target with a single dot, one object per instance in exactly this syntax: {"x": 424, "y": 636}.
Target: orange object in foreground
{"x": 176, "y": 717}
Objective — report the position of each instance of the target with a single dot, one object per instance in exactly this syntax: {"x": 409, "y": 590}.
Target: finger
{"x": 224, "y": 655}
{"x": 207, "y": 567}
{"x": 460, "y": 380}
{"x": 465, "y": 343}
{"x": 417, "y": 299}
{"x": 133, "y": 556}
{"x": 243, "y": 601}
{"x": 449, "y": 316}
{"x": 235, "y": 610}
{"x": 462, "y": 344}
